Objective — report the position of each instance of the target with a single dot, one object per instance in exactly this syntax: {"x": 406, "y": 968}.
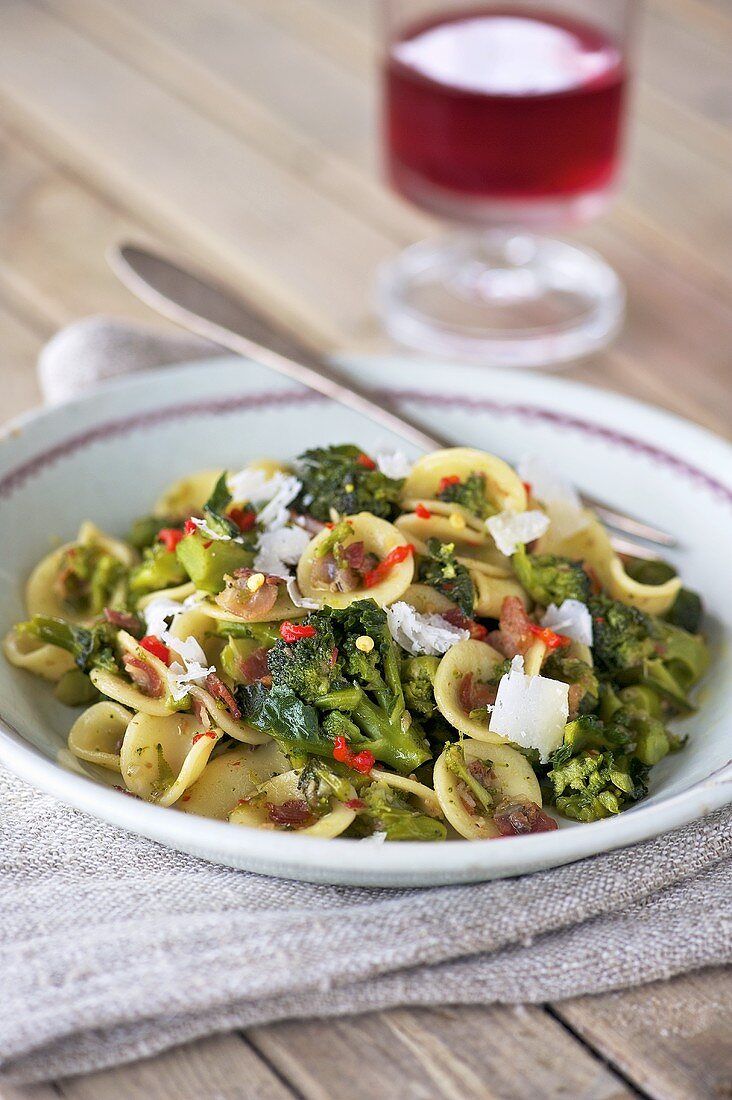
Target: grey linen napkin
{"x": 113, "y": 948}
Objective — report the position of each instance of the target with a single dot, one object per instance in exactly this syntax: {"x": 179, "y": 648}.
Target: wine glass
{"x": 506, "y": 121}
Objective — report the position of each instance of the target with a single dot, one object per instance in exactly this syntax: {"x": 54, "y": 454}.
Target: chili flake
{"x": 549, "y": 637}
{"x": 366, "y": 462}
{"x": 189, "y": 527}
{"x": 293, "y": 632}
{"x": 446, "y": 482}
{"x": 382, "y": 570}
{"x": 170, "y": 537}
{"x": 422, "y": 512}
{"x": 244, "y": 518}
{"x": 155, "y": 647}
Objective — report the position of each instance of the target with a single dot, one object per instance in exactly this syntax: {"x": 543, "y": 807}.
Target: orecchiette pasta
{"x": 97, "y": 735}
{"x": 512, "y": 780}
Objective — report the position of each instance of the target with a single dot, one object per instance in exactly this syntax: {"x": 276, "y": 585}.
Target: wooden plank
{"x": 436, "y": 1054}
{"x": 169, "y": 164}
{"x": 29, "y": 1092}
{"x": 224, "y": 1067}
{"x": 53, "y": 236}
{"x": 673, "y": 1039}
{"x": 220, "y": 72}
{"x": 666, "y": 189}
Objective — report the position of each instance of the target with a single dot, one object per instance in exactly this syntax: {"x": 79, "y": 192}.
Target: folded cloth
{"x": 113, "y": 948}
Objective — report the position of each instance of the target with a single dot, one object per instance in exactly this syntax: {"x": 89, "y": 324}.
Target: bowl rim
{"x": 458, "y": 861}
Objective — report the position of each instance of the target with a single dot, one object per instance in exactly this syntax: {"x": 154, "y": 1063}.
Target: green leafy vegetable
{"x": 145, "y": 530}
{"x": 89, "y": 579}
{"x": 572, "y": 670}
{"x": 325, "y": 686}
{"x": 441, "y": 571}
{"x": 469, "y": 493}
{"x": 333, "y": 477}
{"x": 593, "y": 785}
{"x": 550, "y": 579}
{"x": 159, "y": 568}
{"x": 387, "y": 811}
{"x": 91, "y": 647}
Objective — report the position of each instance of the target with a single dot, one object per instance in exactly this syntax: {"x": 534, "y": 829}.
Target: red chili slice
{"x": 362, "y": 761}
{"x": 157, "y": 648}
{"x": 382, "y": 570}
{"x": 189, "y": 527}
{"x": 244, "y": 518}
{"x": 445, "y": 482}
{"x": 197, "y": 737}
{"x": 366, "y": 462}
{"x": 549, "y": 637}
{"x": 422, "y": 512}
{"x": 293, "y": 632}
{"x": 170, "y": 537}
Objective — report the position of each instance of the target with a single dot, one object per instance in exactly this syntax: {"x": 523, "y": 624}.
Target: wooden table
{"x": 242, "y": 130}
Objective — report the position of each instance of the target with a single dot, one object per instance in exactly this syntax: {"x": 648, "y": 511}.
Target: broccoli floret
{"x": 550, "y": 579}
{"x": 418, "y": 679}
{"x": 621, "y": 636}
{"x": 89, "y": 579}
{"x": 91, "y": 647}
{"x": 386, "y": 811}
{"x": 307, "y": 668}
{"x": 327, "y": 686}
{"x": 344, "y": 479}
{"x": 441, "y": 571}
{"x": 158, "y": 569}
{"x": 593, "y": 785}
{"x": 455, "y": 761}
{"x": 633, "y": 648}
{"x": 319, "y": 782}
{"x": 469, "y": 493}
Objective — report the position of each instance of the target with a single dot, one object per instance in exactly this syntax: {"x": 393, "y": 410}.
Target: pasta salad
{"x": 354, "y": 645}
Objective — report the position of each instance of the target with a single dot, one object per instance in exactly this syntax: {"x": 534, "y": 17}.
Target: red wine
{"x": 502, "y": 105}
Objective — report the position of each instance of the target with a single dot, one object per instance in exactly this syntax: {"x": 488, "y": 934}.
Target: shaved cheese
{"x": 393, "y": 464}
{"x": 297, "y": 597}
{"x": 422, "y": 634}
{"x": 571, "y": 618}
{"x": 182, "y": 676}
{"x": 157, "y": 614}
{"x": 374, "y": 838}
{"x": 511, "y": 528}
{"x": 193, "y": 670}
{"x": 279, "y": 549}
{"x": 270, "y": 496}
{"x": 560, "y": 497}
{"x": 530, "y": 711}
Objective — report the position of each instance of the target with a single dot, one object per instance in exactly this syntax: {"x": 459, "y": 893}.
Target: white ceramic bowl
{"x": 107, "y": 456}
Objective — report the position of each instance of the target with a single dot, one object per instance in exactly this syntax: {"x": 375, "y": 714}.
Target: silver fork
{"x": 203, "y": 306}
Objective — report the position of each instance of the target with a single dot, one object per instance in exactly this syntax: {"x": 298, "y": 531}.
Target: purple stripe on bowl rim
{"x": 17, "y": 477}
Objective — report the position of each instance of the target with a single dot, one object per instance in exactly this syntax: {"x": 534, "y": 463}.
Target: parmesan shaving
{"x": 270, "y": 496}
{"x": 393, "y": 464}
{"x": 297, "y": 597}
{"x": 571, "y": 618}
{"x": 509, "y": 529}
{"x": 278, "y": 549}
{"x": 422, "y": 634}
{"x": 530, "y": 711}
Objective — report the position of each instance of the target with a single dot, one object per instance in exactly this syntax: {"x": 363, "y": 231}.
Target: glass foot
{"x": 501, "y": 299}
